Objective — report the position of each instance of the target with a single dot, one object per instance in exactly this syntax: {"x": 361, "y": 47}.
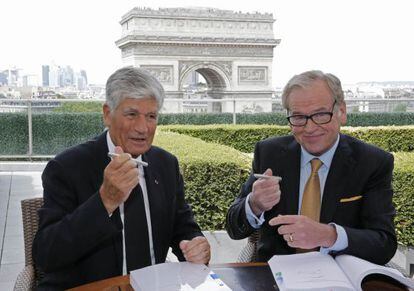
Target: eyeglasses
{"x": 317, "y": 118}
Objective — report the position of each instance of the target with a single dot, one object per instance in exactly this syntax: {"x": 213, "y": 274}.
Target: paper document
{"x": 180, "y": 276}
{"x": 308, "y": 271}
{"x": 320, "y": 272}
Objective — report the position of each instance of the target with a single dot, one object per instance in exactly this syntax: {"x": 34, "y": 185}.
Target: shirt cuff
{"x": 341, "y": 242}
{"x": 254, "y": 221}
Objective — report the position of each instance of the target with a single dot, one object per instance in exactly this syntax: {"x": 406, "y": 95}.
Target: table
{"x": 238, "y": 276}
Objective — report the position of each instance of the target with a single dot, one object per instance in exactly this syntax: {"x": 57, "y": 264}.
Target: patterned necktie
{"x": 311, "y": 200}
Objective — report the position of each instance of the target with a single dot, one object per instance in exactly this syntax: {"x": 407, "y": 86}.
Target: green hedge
{"x": 14, "y": 137}
{"x": 277, "y": 118}
{"x": 52, "y": 132}
{"x": 403, "y": 184}
{"x": 213, "y": 175}
{"x": 244, "y": 137}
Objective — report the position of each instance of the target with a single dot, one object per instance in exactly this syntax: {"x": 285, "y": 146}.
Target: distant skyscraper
{"x": 67, "y": 76}
{"x": 45, "y": 75}
{"x": 54, "y": 76}
{"x": 83, "y": 74}
{"x": 3, "y": 78}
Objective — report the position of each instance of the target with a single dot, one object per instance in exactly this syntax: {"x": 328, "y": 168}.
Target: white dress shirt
{"x": 142, "y": 183}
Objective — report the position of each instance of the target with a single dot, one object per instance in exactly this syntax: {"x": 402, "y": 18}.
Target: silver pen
{"x": 142, "y": 163}
{"x": 261, "y": 176}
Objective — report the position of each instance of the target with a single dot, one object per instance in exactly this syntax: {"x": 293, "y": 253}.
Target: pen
{"x": 142, "y": 163}
{"x": 261, "y": 176}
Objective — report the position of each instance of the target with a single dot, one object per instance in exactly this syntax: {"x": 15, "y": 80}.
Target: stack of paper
{"x": 181, "y": 276}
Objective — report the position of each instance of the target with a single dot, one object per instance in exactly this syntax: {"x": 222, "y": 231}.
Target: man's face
{"x": 132, "y": 124}
{"x": 316, "y": 138}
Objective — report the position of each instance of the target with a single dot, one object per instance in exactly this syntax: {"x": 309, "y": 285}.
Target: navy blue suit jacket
{"x": 357, "y": 169}
{"x": 77, "y": 242}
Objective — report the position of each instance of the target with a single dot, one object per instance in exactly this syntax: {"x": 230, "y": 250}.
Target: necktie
{"x": 136, "y": 232}
{"x": 311, "y": 200}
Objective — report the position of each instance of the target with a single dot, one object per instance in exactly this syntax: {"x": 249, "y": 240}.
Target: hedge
{"x": 277, "y": 118}
{"x": 13, "y": 134}
{"x": 244, "y": 137}
{"x": 213, "y": 175}
{"x": 57, "y": 132}
{"x": 403, "y": 184}
{"x": 52, "y": 132}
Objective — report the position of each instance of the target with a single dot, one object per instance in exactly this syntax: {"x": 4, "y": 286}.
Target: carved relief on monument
{"x": 249, "y": 75}
{"x": 210, "y": 50}
{"x": 164, "y": 74}
{"x": 128, "y": 51}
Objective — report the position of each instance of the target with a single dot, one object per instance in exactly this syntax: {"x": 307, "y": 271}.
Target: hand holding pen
{"x": 120, "y": 177}
{"x": 265, "y": 192}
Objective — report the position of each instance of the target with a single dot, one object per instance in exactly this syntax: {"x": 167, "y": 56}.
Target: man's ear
{"x": 106, "y": 114}
{"x": 342, "y": 113}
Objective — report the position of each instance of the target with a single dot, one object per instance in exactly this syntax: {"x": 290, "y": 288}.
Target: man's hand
{"x": 302, "y": 232}
{"x": 265, "y": 194}
{"x": 196, "y": 250}
{"x": 120, "y": 177}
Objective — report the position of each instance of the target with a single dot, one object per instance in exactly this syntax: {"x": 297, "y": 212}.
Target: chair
{"x": 30, "y": 275}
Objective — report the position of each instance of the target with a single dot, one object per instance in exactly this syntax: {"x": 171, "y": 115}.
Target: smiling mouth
{"x": 138, "y": 139}
{"x": 313, "y": 137}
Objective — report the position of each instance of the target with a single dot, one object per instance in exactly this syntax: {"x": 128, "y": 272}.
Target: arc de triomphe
{"x": 233, "y": 51}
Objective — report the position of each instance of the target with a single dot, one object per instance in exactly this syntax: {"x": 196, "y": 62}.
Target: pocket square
{"x": 349, "y": 199}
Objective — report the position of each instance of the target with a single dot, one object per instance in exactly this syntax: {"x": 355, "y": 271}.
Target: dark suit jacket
{"x": 357, "y": 169}
{"x": 77, "y": 242}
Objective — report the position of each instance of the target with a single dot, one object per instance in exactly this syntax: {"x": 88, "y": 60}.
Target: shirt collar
{"x": 326, "y": 157}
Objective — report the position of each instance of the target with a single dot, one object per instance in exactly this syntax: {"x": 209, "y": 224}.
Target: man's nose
{"x": 140, "y": 124}
{"x": 310, "y": 125}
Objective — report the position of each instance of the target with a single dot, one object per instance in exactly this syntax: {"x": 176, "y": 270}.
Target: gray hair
{"x": 305, "y": 79}
{"x": 131, "y": 82}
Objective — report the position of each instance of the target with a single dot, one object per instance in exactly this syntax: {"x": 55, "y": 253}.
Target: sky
{"x": 357, "y": 40}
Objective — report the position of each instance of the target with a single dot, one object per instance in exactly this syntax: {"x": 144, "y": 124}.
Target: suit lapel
{"x": 291, "y": 178}
{"x": 287, "y": 165}
{"x": 101, "y": 161}
{"x": 157, "y": 204}
{"x": 339, "y": 176}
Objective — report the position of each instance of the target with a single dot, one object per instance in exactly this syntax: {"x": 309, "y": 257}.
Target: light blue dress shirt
{"x": 305, "y": 171}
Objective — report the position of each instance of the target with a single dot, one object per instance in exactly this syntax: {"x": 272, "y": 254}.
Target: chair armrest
{"x": 26, "y": 279}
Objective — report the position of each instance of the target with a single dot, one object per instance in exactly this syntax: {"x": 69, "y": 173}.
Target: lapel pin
{"x": 156, "y": 181}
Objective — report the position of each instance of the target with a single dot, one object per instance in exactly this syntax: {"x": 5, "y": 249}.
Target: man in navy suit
{"x": 355, "y": 214}
{"x": 104, "y": 217}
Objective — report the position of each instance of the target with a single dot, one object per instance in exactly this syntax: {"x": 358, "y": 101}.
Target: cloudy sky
{"x": 358, "y": 40}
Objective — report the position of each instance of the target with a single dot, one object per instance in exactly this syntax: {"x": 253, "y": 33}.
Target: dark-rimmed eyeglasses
{"x": 317, "y": 118}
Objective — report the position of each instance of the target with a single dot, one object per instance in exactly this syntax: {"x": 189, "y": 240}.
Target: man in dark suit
{"x": 103, "y": 218}
{"x": 335, "y": 195}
